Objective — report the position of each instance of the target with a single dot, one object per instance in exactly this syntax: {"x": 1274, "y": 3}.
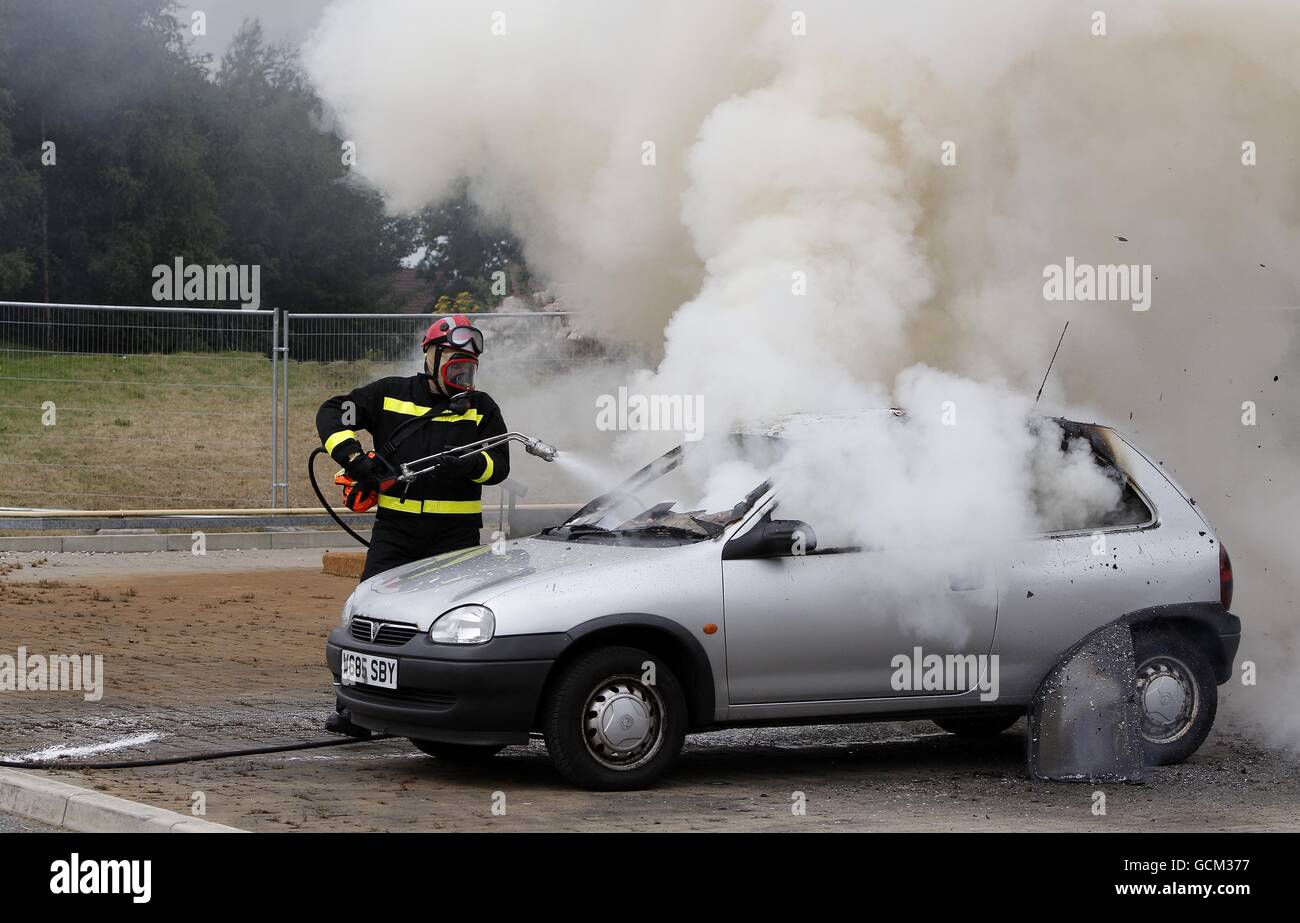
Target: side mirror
{"x": 772, "y": 538}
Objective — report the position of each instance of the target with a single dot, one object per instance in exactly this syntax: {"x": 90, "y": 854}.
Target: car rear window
{"x": 1130, "y": 510}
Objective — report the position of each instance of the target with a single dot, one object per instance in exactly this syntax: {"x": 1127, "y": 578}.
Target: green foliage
{"x": 321, "y": 238}
{"x": 158, "y": 157}
{"x": 463, "y": 250}
{"x": 464, "y": 304}
{"x": 19, "y": 193}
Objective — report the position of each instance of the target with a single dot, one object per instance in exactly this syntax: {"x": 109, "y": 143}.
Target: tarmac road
{"x": 11, "y": 824}
{"x": 882, "y": 777}
{"x": 208, "y": 654}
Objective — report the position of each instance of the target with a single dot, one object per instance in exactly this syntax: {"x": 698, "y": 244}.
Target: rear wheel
{"x": 615, "y": 719}
{"x": 1177, "y": 694}
{"x": 460, "y": 753}
{"x": 977, "y": 727}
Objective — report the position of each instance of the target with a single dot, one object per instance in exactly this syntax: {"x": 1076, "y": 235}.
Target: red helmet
{"x": 455, "y": 331}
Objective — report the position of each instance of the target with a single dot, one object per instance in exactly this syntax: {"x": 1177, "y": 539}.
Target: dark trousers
{"x": 414, "y": 536}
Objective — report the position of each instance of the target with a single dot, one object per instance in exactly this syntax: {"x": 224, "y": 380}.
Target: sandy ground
{"x": 226, "y": 650}
{"x": 184, "y": 627}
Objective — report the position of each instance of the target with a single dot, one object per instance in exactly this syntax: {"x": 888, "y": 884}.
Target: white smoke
{"x": 799, "y": 244}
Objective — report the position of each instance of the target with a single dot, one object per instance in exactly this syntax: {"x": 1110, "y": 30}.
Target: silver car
{"x": 628, "y": 626}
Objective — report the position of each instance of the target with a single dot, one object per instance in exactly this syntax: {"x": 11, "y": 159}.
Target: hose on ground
{"x": 192, "y": 757}
{"x": 221, "y": 754}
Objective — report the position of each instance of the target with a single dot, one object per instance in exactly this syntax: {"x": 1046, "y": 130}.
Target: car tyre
{"x": 457, "y": 753}
{"x": 990, "y": 726}
{"x": 608, "y": 727}
{"x": 1177, "y": 694}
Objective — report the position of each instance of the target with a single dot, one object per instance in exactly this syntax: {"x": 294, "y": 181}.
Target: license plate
{"x": 368, "y": 670}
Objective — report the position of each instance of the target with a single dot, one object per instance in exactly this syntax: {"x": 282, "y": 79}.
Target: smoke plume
{"x": 818, "y": 205}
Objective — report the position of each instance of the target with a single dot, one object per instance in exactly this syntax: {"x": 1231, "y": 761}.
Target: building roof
{"x": 412, "y": 294}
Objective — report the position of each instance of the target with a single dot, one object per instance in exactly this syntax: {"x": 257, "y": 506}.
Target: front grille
{"x": 389, "y": 632}
{"x": 400, "y": 696}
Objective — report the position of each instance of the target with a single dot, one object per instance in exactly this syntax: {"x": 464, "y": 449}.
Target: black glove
{"x": 468, "y": 467}
{"x": 368, "y": 471}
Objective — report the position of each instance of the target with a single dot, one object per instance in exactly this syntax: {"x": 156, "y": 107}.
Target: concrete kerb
{"x": 69, "y": 807}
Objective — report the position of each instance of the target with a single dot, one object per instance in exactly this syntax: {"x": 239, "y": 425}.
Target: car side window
{"x": 1131, "y": 511}
{"x": 1112, "y": 503}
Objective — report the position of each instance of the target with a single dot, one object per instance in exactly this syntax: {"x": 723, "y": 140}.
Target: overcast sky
{"x": 282, "y": 20}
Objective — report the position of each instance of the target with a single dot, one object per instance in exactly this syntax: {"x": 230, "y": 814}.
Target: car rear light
{"x": 1225, "y": 577}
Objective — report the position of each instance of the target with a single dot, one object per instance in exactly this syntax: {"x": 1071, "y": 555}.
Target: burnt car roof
{"x": 786, "y": 424}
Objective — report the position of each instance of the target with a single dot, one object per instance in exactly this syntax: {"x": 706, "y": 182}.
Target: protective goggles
{"x": 470, "y": 339}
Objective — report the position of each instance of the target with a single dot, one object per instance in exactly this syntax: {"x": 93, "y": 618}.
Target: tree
{"x": 287, "y": 200}
{"x": 462, "y": 251}
{"x": 113, "y": 87}
{"x": 159, "y": 159}
{"x": 20, "y": 191}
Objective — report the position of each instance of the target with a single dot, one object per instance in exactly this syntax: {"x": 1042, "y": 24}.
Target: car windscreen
{"x": 690, "y": 493}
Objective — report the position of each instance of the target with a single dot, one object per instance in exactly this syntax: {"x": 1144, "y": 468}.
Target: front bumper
{"x": 471, "y": 694}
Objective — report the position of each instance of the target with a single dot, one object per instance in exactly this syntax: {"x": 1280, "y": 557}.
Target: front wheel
{"x": 1177, "y": 694}
{"x": 458, "y": 753}
{"x": 615, "y": 719}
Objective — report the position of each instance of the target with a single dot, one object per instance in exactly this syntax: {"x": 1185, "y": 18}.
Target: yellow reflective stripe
{"x": 487, "y": 472}
{"x": 406, "y": 407}
{"x": 467, "y": 415}
{"x": 453, "y": 506}
{"x": 417, "y": 410}
{"x": 342, "y": 436}
{"x": 430, "y": 506}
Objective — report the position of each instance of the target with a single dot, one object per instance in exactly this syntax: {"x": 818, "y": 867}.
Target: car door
{"x": 817, "y": 627}
{"x": 1059, "y": 587}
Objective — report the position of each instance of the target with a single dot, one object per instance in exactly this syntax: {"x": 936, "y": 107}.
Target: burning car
{"x": 656, "y": 611}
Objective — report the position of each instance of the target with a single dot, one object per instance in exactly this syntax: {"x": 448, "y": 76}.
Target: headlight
{"x": 464, "y": 625}
{"x": 347, "y": 613}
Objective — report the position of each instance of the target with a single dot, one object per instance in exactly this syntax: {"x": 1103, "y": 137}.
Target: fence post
{"x": 285, "y": 384}
{"x": 275, "y": 410}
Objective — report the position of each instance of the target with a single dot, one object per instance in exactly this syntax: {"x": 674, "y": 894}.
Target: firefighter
{"x": 410, "y": 418}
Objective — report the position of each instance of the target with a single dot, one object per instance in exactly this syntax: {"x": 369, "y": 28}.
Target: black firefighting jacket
{"x": 428, "y": 425}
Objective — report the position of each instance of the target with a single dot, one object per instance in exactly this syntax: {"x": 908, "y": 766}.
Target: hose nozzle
{"x": 541, "y": 449}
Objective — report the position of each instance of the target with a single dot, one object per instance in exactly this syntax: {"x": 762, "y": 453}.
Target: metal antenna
{"x": 1050, "y": 364}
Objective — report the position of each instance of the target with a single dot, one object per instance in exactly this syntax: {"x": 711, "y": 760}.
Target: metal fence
{"x": 131, "y": 408}
{"x": 120, "y": 407}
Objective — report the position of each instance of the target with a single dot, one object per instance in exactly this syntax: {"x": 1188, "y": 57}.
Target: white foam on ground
{"x": 53, "y": 753}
